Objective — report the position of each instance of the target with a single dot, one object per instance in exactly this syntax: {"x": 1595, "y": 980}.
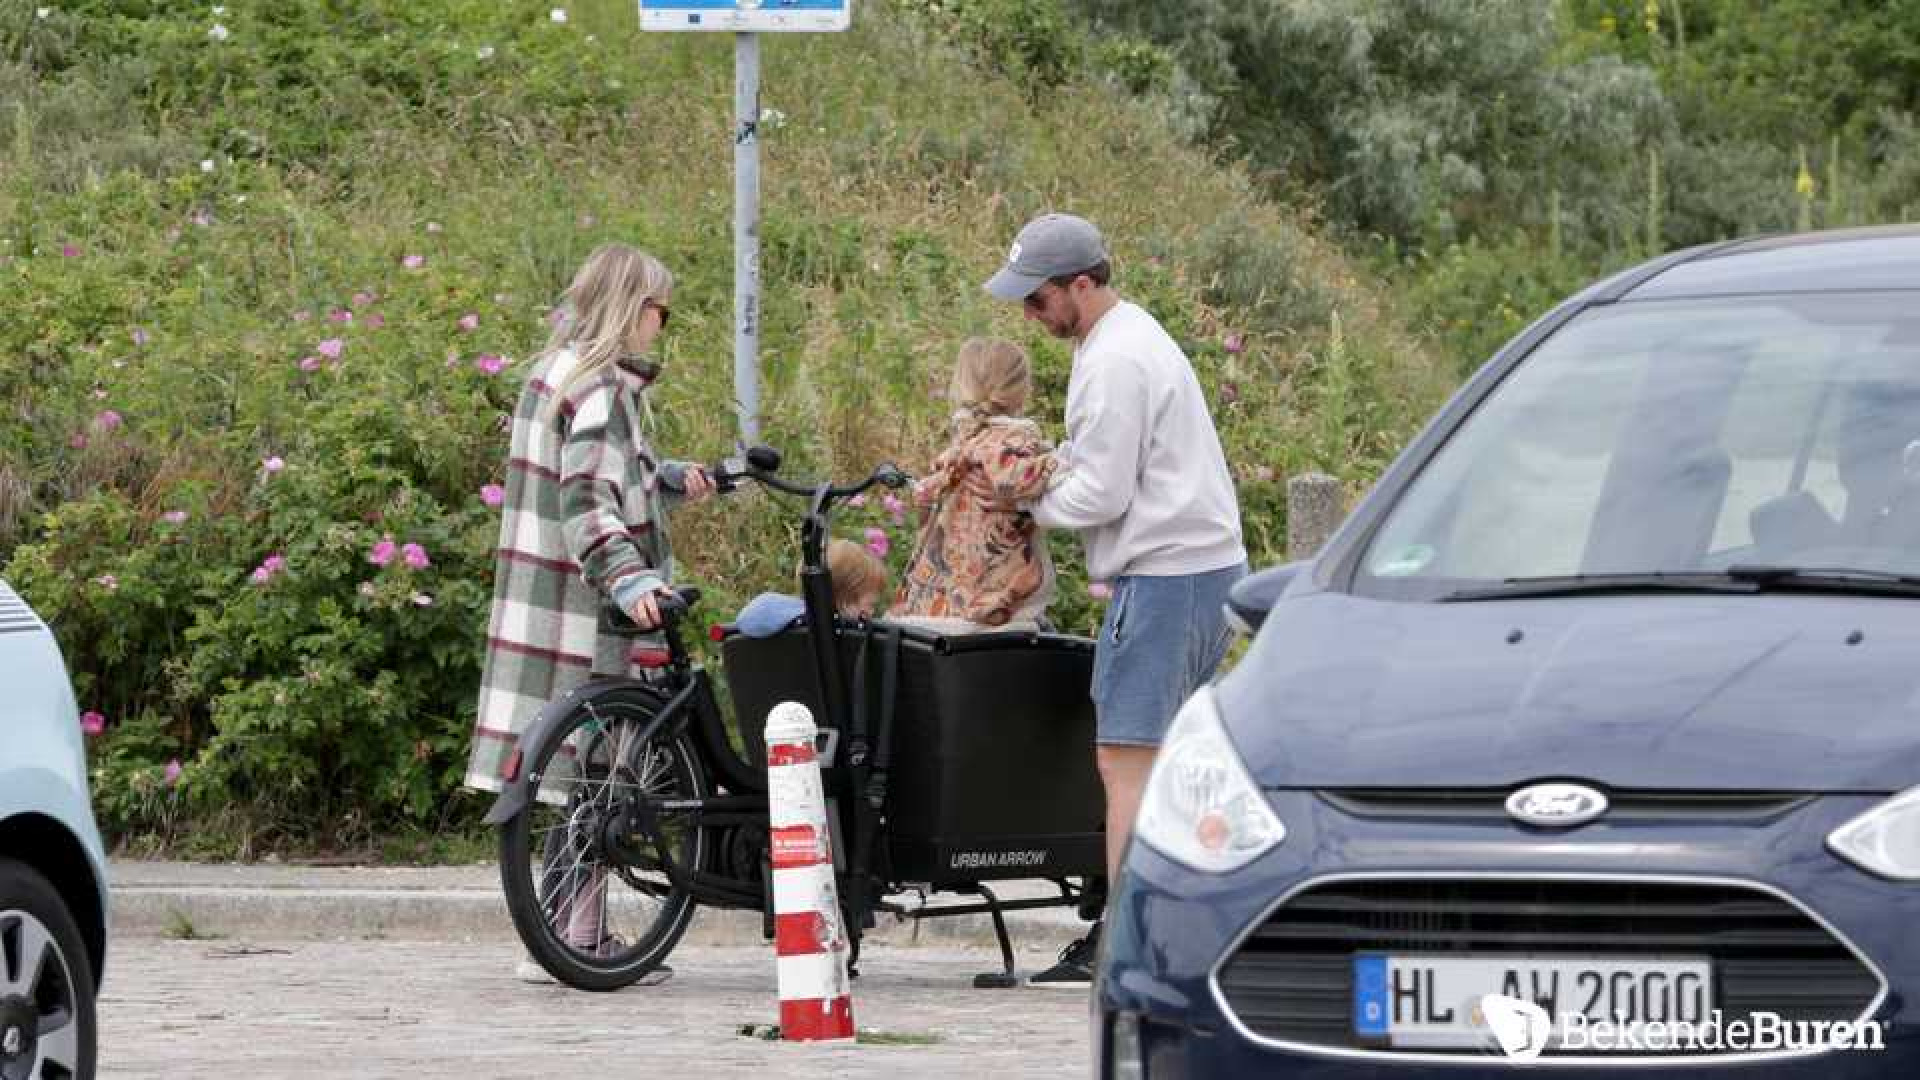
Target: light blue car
{"x": 53, "y": 881}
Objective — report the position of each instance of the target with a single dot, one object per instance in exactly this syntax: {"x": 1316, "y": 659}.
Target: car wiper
{"x": 1739, "y": 578}
{"x": 1520, "y": 588}
{"x": 1839, "y": 579}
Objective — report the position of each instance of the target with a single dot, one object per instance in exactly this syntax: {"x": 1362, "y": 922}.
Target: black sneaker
{"x": 1074, "y": 969}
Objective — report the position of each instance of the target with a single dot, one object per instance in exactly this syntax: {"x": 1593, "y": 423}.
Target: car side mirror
{"x": 1253, "y": 596}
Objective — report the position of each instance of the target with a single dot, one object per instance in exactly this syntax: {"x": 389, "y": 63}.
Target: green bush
{"x": 185, "y": 222}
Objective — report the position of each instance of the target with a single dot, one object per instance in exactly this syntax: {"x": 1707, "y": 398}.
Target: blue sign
{"x": 746, "y": 16}
{"x": 1370, "y": 1000}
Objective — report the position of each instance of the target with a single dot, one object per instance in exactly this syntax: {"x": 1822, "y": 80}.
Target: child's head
{"x": 859, "y": 577}
{"x": 991, "y": 378}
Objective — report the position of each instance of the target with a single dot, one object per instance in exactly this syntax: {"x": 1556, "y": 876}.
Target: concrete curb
{"x": 291, "y": 903}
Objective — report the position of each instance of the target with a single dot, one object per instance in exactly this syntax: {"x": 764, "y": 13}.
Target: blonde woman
{"x": 583, "y": 522}
{"x": 980, "y": 562}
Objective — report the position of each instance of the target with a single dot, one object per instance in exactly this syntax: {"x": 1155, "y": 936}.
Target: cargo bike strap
{"x": 869, "y": 757}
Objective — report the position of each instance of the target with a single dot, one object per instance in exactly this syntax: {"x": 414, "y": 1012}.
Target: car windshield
{"x": 1678, "y": 437}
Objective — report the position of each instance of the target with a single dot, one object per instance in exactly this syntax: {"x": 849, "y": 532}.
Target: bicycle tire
{"x": 534, "y": 880}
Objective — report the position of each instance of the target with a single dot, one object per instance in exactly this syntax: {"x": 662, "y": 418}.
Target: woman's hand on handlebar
{"x": 650, "y": 608}
{"x": 697, "y": 483}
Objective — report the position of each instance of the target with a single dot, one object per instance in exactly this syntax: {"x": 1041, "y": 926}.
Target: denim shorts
{"x": 1161, "y": 640}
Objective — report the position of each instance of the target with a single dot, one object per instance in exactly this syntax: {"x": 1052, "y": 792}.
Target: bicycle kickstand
{"x": 1004, "y": 979}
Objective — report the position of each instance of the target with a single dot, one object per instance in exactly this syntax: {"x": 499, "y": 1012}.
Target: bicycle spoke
{"x": 600, "y": 897}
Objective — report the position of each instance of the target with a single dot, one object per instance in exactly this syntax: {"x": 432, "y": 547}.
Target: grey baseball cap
{"x": 1049, "y": 246}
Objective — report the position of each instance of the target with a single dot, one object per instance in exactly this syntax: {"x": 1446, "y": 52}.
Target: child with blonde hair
{"x": 981, "y": 563}
{"x": 858, "y": 576}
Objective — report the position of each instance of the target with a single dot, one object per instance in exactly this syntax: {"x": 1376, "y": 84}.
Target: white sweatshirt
{"x": 1145, "y": 481}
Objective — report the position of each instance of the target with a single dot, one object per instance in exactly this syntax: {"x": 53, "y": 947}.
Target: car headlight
{"x": 1885, "y": 840}
{"x": 1200, "y": 807}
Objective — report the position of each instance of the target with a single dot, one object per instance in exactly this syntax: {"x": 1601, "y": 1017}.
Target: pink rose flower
{"x": 340, "y": 315}
{"x": 92, "y": 723}
{"x": 415, "y": 556}
{"x": 894, "y": 507}
{"x": 173, "y": 772}
{"x": 414, "y": 262}
{"x": 331, "y": 348}
{"x": 1235, "y": 343}
{"x": 493, "y": 494}
{"x": 107, "y": 420}
{"x": 857, "y": 500}
{"x": 877, "y": 541}
{"x": 273, "y": 464}
{"x": 79, "y": 441}
{"x": 469, "y": 322}
{"x": 70, "y": 251}
{"x": 489, "y": 364}
{"x": 383, "y": 552}
{"x": 269, "y": 568}
{"x": 309, "y": 363}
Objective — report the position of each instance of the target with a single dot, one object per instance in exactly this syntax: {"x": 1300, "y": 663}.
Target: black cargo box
{"x": 992, "y": 774}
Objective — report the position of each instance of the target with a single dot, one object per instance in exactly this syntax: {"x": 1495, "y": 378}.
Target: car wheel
{"x": 46, "y": 983}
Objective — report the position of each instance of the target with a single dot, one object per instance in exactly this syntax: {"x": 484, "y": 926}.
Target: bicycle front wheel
{"x": 583, "y": 871}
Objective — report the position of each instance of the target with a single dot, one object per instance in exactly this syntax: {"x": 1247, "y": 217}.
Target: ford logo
{"x": 1556, "y": 806}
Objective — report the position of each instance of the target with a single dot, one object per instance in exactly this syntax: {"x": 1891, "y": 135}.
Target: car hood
{"x": 1749, "y": 692}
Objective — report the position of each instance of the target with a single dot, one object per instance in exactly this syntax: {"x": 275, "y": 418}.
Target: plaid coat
{"x": 583, "y": 513}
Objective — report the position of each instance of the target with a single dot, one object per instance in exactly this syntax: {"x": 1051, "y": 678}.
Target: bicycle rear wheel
{"x": 582, "y": 871}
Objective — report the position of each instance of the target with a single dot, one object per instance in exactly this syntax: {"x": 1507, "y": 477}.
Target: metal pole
{"x": 746, "y": 234}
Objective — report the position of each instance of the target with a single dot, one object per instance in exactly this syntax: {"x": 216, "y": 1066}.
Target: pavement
{"x": 287, "y": 902}
{"x": 320, "y": 972}
{"x": 347, "y": 1010}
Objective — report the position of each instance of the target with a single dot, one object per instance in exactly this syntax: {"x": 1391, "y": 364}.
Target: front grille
{"x": 1292, "y": 978}
{"x": 1490, "y": 804}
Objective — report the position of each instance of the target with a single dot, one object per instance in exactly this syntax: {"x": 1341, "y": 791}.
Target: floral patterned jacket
{"x": 979, "y": 557}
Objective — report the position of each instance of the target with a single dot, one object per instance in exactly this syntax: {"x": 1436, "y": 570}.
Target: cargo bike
{"x": 949, "y": 763}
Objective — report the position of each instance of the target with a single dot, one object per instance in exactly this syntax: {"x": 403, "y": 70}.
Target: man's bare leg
{"x": 1123, "y": 770}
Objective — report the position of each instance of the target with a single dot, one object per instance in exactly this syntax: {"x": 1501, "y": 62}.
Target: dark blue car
{"x": 1592, "y": 740}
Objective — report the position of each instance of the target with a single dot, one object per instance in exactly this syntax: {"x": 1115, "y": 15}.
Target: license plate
{"x": 1434, "y": 1001}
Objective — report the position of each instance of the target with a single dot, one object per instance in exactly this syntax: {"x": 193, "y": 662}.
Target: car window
{"x": 1678, "y": 436}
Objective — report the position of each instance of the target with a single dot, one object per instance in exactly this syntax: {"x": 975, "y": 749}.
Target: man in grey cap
{"x": 1145, "y": 483}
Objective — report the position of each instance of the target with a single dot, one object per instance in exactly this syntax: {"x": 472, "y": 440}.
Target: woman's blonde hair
{"x": 991, "y": 378}
{"x": 606, "y": 298}
{"x": 854, "y": 571}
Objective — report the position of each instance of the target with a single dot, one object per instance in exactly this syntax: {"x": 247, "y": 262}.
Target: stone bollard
{"x": 1314, "y": 510}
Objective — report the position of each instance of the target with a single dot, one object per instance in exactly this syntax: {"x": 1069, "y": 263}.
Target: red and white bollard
{"x": 810, "y": 943}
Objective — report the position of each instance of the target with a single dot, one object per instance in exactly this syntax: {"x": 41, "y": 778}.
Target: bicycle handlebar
{"x": 759, "y": 464}
{"x": 673, "y": 602}
{"x": 762, "y": 462}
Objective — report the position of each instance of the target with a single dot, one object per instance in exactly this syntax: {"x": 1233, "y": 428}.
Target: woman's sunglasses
{"x": 665, "y": 311}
